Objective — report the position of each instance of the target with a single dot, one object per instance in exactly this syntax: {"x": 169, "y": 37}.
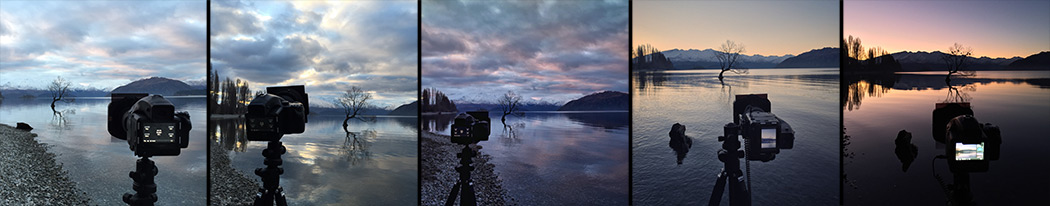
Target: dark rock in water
{"x": 24, "y": 126}
{"x": 679, "y": 142}
{"x": 905, "y": 150}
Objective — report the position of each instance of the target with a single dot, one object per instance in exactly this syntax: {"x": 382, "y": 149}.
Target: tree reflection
{"x": 355, "y": 147}
{"x": 510, "y": 135}
{"x": 856, "y": 92}
{"x": 59, "y": 121}
{"x": 230, "y": 134}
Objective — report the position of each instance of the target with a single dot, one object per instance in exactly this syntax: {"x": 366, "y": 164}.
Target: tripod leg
{"x": 263, "y": 200}
{"x": 720, "y": 187}
{"x": 452, "y": 195}
{"x": 467, "y": 197}
{"x": 279, "y": 197}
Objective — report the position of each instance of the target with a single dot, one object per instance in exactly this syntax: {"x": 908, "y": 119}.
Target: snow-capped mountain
{"x": 695, "y": 59}
{"x": 921, "y": 60}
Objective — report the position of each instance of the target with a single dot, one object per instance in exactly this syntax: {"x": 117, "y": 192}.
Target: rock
{"x": 24, "y": 126}
{"x": 679, "y": 142}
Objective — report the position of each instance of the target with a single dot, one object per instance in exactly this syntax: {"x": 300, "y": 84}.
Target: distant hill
{"x": 1040, "y": 61}
{"x": 817, "y": 58}
{"x": 607, "y": 100}
{"x": 159, "y": 85}
{"x": 493, "y": 107}
{"x": 705, "y": 59}
{"x": 934, "y": 61}
{"x": 410, "y": 109}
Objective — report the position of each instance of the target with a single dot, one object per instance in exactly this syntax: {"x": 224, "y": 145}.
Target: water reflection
{"x": 558, "y": 158}
{"x": 1015, "y": 100}
{"x": 374, "y": 163}
{"x": 99, "y": 163}
{"x": 355, "y": 147}
{"x": 697, "y": 99}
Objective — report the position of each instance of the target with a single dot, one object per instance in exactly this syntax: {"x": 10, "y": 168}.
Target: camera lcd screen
{"x": 769, "y": 138}
{"x": 965, "y": 152}
{"x": 158, "y": 132}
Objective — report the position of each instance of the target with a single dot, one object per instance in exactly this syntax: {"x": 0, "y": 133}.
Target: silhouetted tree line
{"x": 872, "y": 59}
{"x": 228, "y": 96}
{"x": 647, "y": 57}
{"x": 436, "y": 101}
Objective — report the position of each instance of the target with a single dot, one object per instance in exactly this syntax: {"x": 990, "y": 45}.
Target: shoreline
{"x": 437, "y": 173}
{"x": 228, "y": 186}
{"x": 30, "y": 174}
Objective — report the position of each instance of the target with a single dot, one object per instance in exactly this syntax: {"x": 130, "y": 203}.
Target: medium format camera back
{"x": 970, "y": 145}
{"x": 149, "y": 123}
{"x": 283, "y": 110}
{"x": 471, "y": 127}
{"x": 766, "y": 132}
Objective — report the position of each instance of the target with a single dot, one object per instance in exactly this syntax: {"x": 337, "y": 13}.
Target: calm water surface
{"x": 808, "y": 174}
{"x": 99, "y": 163}
{"x": 557, "y": 158}
{"x": 374, "y": 164}
{"x": 878, "y": 107}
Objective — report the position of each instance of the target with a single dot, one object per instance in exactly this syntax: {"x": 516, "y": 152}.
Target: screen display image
{"x": 965, "y": 152}
{"x": 158, "y": 132}
{"x": 769, "y": 138}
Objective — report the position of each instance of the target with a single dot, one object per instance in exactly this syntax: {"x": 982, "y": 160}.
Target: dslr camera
{"x": 282, "y": 110}
{"x": 471, "y": 127}
{"x": 149, "y": 123}
{"x": 969, "y": 144}
{"x": 753, "y": 120}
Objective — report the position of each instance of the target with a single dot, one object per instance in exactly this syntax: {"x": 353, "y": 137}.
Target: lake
{"x": 807, "y": 99}
{"x": 375, "y": 164}
{"x": 557, "y": 158}
{"x": 99, "y": 163}
{"x": 879, "y": 106}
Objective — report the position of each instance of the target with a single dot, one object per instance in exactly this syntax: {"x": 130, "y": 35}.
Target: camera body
{"x": 970, "y": 145}
{"x": 282, "y": 110}
{"x": 471, "y": 127}
{"x": 753, "y": 121}
{"x": 149, "y": 123}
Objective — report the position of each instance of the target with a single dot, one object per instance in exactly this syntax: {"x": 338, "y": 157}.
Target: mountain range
{"x": 827, "y": 57}
{"x": 926, "y": 61}
{"x": 152, "y": 85}
{"x": 705, "y": 59}
{"x": 601, "y": 101}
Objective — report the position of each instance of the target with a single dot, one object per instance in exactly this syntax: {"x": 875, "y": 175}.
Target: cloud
{"x": 327, "y": 46}
{"x": 101, "y": 44}
{"x": 551, "y": 50}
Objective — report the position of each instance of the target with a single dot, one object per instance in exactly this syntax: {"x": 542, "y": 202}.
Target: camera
{"x": 752, "y": 119}
{"x": 282, "y": 110}
{"x": 149, "y": 123}
{"x": 471, "y": 127}
{"x": 971, "y": 144}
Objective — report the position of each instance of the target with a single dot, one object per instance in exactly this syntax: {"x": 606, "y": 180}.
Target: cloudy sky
{"x": 552, "y": 51}
{"x": 764, "y": 27}
{"x": 327, "y": 46}
{"x": 102, "y": 44}
{"x": 991, "y": 28}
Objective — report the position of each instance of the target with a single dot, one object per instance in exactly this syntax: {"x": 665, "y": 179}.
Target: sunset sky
{"x": 552, "y": 51}
{"x": 101, "y": 44}
{"x": 327, "y": 46}
{"x": 991, "y": 28}
{"x": 764, "y": 27}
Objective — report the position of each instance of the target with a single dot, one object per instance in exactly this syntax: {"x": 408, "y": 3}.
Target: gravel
{"x": 29, "y": 174}
{"x": 228, "y": 186}
{"x": 439, "y": 176}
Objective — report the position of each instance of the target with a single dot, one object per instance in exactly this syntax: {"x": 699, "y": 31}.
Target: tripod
{"x": 271, "y": 193}
{"x": 729, "y": 155}
{"x": 465, "y": 187}
{"x": 145, "y": 188}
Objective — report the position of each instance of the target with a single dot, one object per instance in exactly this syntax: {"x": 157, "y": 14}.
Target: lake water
{"x": 375, "y": 164}
{"x": 99, "y": 163}
{"x": 557, "y": 158}
{"x": 807, "y": 99}
{"x": 880, "y": 106}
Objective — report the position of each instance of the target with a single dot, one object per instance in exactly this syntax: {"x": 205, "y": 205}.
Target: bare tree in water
{"x": 956, "y": 60}
{"x": 510, "y": 103}
{"x": 59, "y": 89}
{"x": 354, "y": 101}
{"x": 727, "y": 56}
